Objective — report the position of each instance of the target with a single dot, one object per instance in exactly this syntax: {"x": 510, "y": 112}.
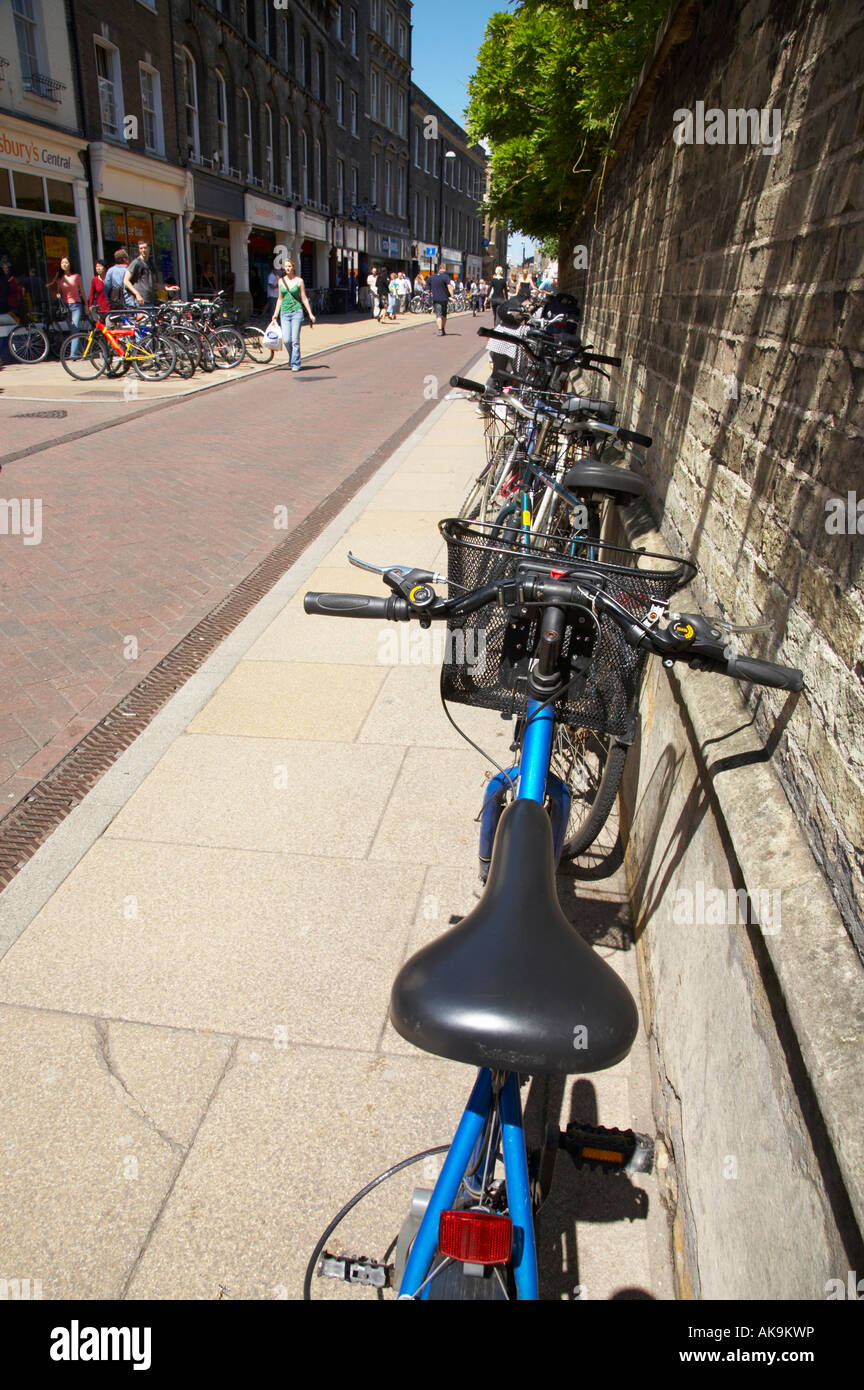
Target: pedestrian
{"x": 67, "y": 286}
{"x": 419, "y": 283}
{"x": 372, "y": 286}
{"x": 482, "y": 293}
{"x": 97, "y": 297}
{"x": 525, "y": 288}
{"x": 138, "y": 280}
{"x": 497, "y": 291}
{"x": 383, "y": 287}
{"x": 473, "y": 295}
{"x": 6, "y": 319}
{"x": 13, "y": 289}
{"x": 441, "y": 289}
{"x": 114, "y": 278}
{"x": 272, "y": 292}
{"x": 394, "y": 290}
{"x": 292, "y": 302}
{"x": 405, "y": 294}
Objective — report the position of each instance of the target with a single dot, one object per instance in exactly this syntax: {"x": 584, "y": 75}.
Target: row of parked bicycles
{"x": 153, "y": 341}
{"x": 422, "y": 303}
{"x": 552, "y": 617}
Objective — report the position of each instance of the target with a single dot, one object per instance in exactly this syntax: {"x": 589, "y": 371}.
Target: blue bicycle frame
{"x": 530, "y": 778}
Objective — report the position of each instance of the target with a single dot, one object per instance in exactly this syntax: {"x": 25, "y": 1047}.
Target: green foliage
{"x": 550, "y": 83}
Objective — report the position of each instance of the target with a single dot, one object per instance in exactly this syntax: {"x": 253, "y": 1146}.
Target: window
{"x": 416, "y": 227}
{"x": 110, "y": 95}
{"x": 388, "y": 192}
{"x": 151, "y": 107}
{"x": 340, "y": 185}
{"x": 289, "y": 160}
{"x": 388, "y": 25}
{"x": 250, "y": 18}
{"x": 26, "y": 31}
{"x": 374, "y": 179}
{"x": 353, "y": 113}
{"x": 401, "y": 127}
{"x": 339, "y": 34}
{"x": 321, "y": 91}
{"x": 417, "y": 146}
{"x": 355, "y": 186}
{"x": 426, "y": 144}
{"x": 373, "y": 14}
{"x": 352, "y": 28}
{"x": 246, "y": 104}
{"x": 288, "y": 27}
{"x": 400, "y": 191}
{"x": 403, "y": 40}
{"x": 220, "y": 154}
{"x": 304, "y": 59}
{"x": 340, "y": 101}
{"x": 319, "y": 174}
{"x": 304, "y": 169}
{"x": 425, "y": 215}
{"x": 190, "y": 80}
{"x": 265, "y": 33}
{"x": 388, "y": 105}
{"x": 268, "y": 148}
{"x": 459, "y": 166}
{"x": 373, "y": 96}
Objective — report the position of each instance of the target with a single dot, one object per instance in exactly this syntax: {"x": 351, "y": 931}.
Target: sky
{"x": 447, "y": 35}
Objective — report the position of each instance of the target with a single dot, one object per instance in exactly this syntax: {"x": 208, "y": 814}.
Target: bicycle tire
{"x": 184, "y": 365}
{"x": 158, "y": 364}
{"x": 454, "y": 1284}
{"x": 256, "y": 347}
{"x": 229, "y": 348}
{"x": 28, "y": 344}
{"x": 592, "y": 795}
{"x": 117, "y": 366}
{"x": 91, "y": 362}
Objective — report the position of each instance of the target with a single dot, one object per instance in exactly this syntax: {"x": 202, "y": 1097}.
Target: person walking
{"x": 292, "y": 302}
{"x": 272, "y": 292}
{"x": 382, "y": 285}
{"x": 114, "y": 278}
{"x": 497, "y": 292}
{"x": 67, "y": 286}
{"x": 97, "y": 298}
{"x": 138, "y": 280}
{"x": 441, "y": 288}
{"x": 372, "y": 286}
{"x": 394, "y": 290}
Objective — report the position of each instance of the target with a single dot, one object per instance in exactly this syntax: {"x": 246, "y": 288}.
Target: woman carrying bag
{"x": 290, "y": 303}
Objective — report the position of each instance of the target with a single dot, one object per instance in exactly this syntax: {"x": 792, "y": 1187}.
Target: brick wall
{"x": 732, "y": 283}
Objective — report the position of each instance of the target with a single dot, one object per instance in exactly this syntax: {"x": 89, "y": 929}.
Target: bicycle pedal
{"x": 598, "y": 1149}
{"x": 359, "y": 1269}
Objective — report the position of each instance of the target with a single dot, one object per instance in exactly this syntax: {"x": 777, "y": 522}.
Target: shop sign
{"x": 430, "y": 252}
{"x": 389, "y": 246}
{"x": 20, "y": 149}
{"x": 262, "y": 213}
{"x": 313, "y": 226}
{"x": 448, "y": 254}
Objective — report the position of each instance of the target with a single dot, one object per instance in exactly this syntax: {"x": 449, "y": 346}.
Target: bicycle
{"x": 37, "y": 336}
{"x": 512, "y": 988}
{"x": 152, "y": 356}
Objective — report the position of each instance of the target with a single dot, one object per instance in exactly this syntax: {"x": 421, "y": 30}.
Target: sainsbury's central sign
{"x": 19, "y": 149}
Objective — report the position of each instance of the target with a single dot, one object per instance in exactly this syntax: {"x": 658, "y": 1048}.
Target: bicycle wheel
{"x": 117, "y": 366}
{"x": 208, "y": 361}
{"x": 190, "y": 340}
{"x": 153, "y": 357}
{"x": 256, "y": 346}
{"x": 28, "y": 344}
{"x": 83, "y": 356}
{"x": 184, "y": 365}
{"x": 591, "y": 765}
{"x": 229, "y": 348}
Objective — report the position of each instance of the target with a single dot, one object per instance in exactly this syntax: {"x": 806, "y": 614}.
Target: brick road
{"x": 146, "y": 526}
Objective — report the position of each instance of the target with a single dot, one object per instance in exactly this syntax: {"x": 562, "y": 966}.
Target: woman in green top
{"x": 290, "y": 302}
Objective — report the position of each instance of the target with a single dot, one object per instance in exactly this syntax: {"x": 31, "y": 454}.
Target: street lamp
{"x": 445, "y": 154}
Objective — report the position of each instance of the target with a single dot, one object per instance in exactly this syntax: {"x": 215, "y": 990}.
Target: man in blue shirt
{"x": 440, "y": 286}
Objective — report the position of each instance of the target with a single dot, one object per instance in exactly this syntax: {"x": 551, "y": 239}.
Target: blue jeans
{"x": 291, "y": 324}
{"x": 74, "y": 311}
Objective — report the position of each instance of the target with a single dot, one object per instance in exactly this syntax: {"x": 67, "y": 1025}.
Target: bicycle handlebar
{"x": 689, "y": 638}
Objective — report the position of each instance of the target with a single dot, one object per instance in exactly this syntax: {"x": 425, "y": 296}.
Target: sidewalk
{"x": 197, "y": 1067}
{"x": 49, "y": 381}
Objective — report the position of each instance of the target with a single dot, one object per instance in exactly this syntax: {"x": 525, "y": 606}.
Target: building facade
{"x": 226, "y": 133}
{"x": 44, "y": 181}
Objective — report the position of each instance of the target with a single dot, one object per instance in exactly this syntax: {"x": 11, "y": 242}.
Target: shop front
{"x": 314, "y": 249}
{"x": 349, "y": 243}
{"x": 218, "y": 206}
{"x": 44, "y": 212}
{"x": 271, "y": 228}
{"x": 452, "y": 262}
{"x": 473, "y": 268}
{"x": 141, "y": 199}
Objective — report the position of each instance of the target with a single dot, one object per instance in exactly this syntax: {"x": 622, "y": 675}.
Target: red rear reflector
{"x": 475, "y": 1237}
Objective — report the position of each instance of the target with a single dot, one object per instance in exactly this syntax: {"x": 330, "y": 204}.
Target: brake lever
{"x": 402, "y": 571}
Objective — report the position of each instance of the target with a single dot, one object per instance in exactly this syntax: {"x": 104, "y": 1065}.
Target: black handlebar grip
{"x": 356, "y": 606}
{"x": 570, "y": 340}
{"x": 603, "y": 359}
{"x": 466, "y": 384}
{"x": 749, "y": 668}
{"x": 593, "y": 405}
{"x": 632, "y": 437}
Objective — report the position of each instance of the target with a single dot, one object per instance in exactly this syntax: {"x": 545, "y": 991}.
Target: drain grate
{"x": 29, "y": 823}
{"x": 42, "y": 415}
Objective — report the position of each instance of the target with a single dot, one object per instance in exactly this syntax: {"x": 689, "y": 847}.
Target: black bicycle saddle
{"x": 513, "y": 986}
{"x": 604, "y": 477}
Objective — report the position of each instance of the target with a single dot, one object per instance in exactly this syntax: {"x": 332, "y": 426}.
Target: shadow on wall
{"x": 729, "y": 279}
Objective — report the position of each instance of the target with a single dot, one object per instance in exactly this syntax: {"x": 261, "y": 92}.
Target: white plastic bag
{"x": 273, "y": 336}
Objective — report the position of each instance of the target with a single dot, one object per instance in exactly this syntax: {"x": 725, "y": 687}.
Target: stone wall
{"x": 731, "y": 281}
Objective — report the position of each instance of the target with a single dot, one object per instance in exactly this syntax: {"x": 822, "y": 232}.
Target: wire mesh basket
{"x": 488, "y": 653}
